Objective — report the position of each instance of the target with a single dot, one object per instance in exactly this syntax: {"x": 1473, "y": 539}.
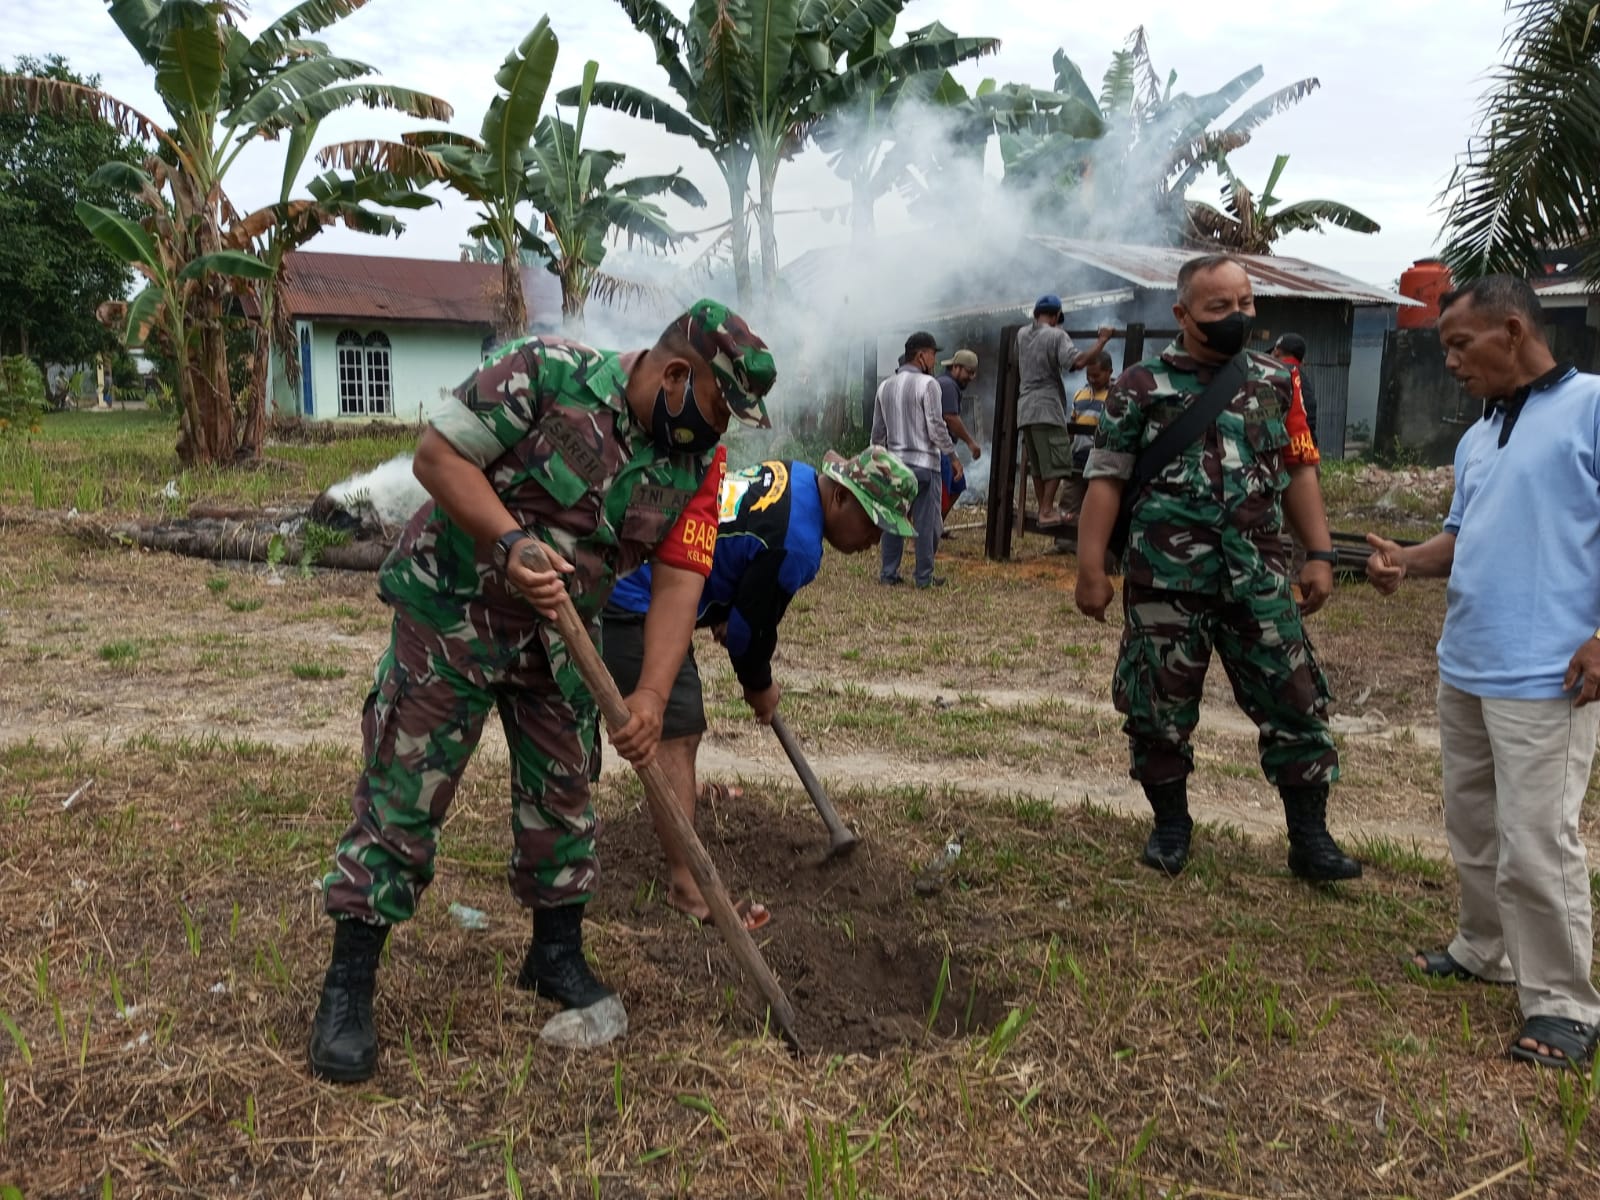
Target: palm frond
{"x": 1527, "y": 179}
{"x": 309, "y": 16}
{"x": 393, "y": 158}
{"x": 675, "y": 185}
{"x": 636, "y": 102}
{"x": 621, "y": 294}
{"x": 321, "y": 105}
{"x": 1313, "y": 214}
{"x": 30, "y": 95}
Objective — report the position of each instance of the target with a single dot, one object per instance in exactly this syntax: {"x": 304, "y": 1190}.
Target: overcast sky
{"x": 1401, "y": 82}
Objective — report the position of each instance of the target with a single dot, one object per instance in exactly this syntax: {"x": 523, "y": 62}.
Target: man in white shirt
{"x": 908, "y": 419}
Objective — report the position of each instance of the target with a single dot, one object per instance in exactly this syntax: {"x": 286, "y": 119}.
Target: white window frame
{"x": 364, "y": 373}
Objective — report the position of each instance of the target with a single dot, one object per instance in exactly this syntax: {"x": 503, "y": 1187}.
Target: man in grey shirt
{"x": 908, "y": 419}
{"x": 1044, "y": 354}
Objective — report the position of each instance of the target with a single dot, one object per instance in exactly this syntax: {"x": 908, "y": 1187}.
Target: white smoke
{"x": 389, "y": 492}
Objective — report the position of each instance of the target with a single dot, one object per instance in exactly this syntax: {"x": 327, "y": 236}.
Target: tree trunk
{"x": 208, "y": 434}
{"x": 574, "y": 298}
{"x": 255, "y": 414}
{"x": 768, "y": 175}
{"x": 736, "y": 172}
{"x": 248, "y": 541}
{"x": 513, "y": 305}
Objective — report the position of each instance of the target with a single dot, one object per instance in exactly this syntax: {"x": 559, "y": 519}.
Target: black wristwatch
{"x": 1327, "y": 556}
{"x": 503, "y": 545}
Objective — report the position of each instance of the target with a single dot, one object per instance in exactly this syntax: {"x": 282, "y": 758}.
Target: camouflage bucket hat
{"x": 743, "y": 365}
{"x": 884, "y": 485}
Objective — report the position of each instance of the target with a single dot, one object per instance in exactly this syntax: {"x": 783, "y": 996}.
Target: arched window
{"x": 380, "y": 383}
{"x": 366, "y": 382}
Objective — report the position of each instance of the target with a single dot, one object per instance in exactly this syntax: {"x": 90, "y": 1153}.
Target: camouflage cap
{"x": 743, "y": 365}
{"x": 884, "y": 485}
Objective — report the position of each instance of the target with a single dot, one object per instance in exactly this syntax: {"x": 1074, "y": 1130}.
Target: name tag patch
{"x": 568, "y": 440}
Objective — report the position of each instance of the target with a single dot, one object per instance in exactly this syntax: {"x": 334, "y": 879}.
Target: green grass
{"x": 121, "y": 462}
{"x": 120, "y": 654}
{"x": 316, "y": 671}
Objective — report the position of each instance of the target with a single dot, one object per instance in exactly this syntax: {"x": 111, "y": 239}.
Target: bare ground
{"x": 1097, "y": 1031}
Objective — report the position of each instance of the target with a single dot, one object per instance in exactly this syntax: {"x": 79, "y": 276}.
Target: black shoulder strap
{"x": 1182, "y": 433}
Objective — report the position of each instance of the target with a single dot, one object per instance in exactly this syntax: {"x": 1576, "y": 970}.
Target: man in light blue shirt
{"x": 1519, "y": 665}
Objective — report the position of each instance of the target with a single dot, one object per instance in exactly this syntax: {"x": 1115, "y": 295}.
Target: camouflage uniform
{"x": 1205, "y": 567}
{"x": 548, "y": 422}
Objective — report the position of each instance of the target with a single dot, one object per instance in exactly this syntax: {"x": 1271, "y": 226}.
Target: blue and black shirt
{"x": 769, "y": 546}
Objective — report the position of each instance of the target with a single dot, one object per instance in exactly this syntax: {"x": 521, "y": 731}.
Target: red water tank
{"x": 1425, "y": 280}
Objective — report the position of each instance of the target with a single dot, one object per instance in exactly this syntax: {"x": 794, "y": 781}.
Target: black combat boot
{"x": 1168, "y": 846}
{"x": 555, "y": 967}
{"x": 1313, "y": 854}
{"x": 344, "y": 1042}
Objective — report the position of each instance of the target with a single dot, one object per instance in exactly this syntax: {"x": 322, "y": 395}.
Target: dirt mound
{"x": 859, "y": 953}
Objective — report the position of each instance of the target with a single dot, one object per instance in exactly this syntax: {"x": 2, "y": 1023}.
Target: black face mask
{"x": 687, "y": 432}
{"x": 1228, "y": 335}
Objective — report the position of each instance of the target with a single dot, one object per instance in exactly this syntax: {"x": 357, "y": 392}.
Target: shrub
{"x": 22, "y": 395}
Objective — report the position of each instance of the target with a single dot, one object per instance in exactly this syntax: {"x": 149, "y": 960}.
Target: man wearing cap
{"x": 774, "y": 519}
{"x": 960, "y": 369}
{"x": 1044, "y": 355}
{"x": 605, "y": 460}
{"x": 908, "y": 419}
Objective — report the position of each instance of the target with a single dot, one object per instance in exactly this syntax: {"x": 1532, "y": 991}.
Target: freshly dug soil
{"x": 858, "y": 952}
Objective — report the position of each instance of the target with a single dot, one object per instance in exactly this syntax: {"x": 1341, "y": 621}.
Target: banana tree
{"x": 1251, "y": 224}
{"x": 1132, "y": 178}
{"x": 570, "y": 184}
{"x": 706, "y": 61}
{"x": 491, "y": 170}
{"x": 813, "y": 58}
{"x": 223, "y": 91}
{"x": 969, "y": 120}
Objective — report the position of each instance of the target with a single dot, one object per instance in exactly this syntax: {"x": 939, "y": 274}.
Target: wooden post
{"x": 676, "y": 828}
{"x": 1132, "y": 344}
{"x": 998, "y": 525}
{"x": 869, "y": 381}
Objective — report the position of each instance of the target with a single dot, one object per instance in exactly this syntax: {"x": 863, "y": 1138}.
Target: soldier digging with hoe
{"x": 607, "y": 460}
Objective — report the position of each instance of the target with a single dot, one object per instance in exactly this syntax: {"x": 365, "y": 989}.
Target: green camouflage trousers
{"x": 1167, "y": 640}
{"x": 421, "y": 724}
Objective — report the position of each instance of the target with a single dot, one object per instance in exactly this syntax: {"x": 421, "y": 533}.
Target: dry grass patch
{"x": 1058, "y": 1021}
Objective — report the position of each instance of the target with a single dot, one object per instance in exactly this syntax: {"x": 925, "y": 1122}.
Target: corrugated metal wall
{"x": 1327, "y": 326}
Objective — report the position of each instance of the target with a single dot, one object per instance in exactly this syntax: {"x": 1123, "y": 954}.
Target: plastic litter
{"x": 585, "y": 1028}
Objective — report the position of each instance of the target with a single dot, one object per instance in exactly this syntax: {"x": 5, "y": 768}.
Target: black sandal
{"x": 1440, "y": 964}
{"x": 1574, "y": 1039}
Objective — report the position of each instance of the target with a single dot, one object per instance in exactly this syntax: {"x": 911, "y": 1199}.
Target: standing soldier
{"x": 1205, "y": 565}
{"x": 607, "y": 461}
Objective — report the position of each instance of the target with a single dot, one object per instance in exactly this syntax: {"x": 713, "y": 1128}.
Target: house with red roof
{"x": 380, "y": 337}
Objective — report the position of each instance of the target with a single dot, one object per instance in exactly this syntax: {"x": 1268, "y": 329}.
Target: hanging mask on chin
{"x": 1229, "y": 335}
{"x": 685, "y": 432}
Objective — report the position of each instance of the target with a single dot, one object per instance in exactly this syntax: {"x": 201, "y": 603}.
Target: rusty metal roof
{"x": 1022, "y": 310}
{"x": 1565, "y": 286}
{"x": 1156, "y": 268}
{"x": 363, "y": 287}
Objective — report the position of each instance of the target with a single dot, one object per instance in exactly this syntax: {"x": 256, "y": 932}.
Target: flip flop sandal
{"x": 755, "y": 916}
{"x": 1574, "y": 1039}
{"x": 720, "y": 793}
{"x": 1439, "y": 964}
